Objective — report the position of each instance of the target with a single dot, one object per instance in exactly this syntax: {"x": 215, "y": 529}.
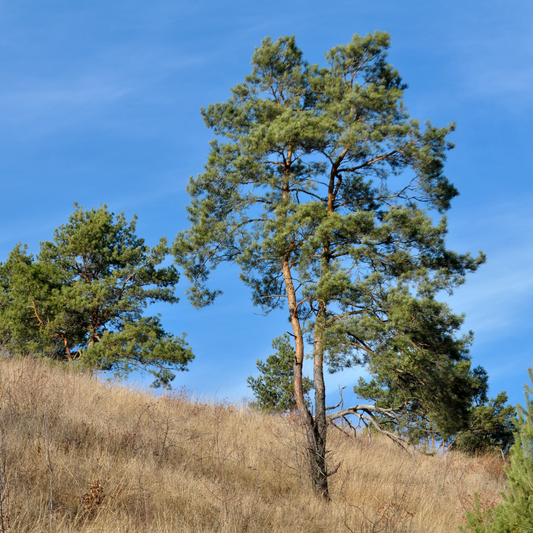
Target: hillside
{"x": 79, "y": 455}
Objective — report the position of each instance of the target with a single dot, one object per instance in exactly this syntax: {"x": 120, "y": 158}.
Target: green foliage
{"x": 274, "y": 388}
{"x": 423, "y": 370}
{"x": 444, "y": 406}
{"x": 239, "y": 212}
{"x": 490, "y": 427}
{"x": 81, "y": 299}
{"x": 515, "y": 513}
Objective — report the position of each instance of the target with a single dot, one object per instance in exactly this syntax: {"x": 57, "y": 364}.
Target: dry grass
{"x": 78, "y": 455}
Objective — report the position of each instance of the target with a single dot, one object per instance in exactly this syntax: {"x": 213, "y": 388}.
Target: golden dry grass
{"x": 79, "y": 455}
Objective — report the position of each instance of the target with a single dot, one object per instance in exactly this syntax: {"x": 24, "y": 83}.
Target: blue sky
{"x": 99, "y": 103}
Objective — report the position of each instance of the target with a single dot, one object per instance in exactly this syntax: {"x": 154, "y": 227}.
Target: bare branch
{"x": 340, "y": 403}
{"x": 366, "y": 413}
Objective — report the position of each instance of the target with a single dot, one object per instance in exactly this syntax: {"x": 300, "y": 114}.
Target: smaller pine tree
{"x": 491, "y": 427}
{"x": 515, "y": 513}
{"x": 274, "y": 388}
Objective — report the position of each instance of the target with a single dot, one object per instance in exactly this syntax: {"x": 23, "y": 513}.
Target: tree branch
{"x": 365, "y": 413}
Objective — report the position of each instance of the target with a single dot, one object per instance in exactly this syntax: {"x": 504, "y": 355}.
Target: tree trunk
{"x": 318, "y": 464}
{"x": 320, "y": 475}
{"x": 315, "y": 428}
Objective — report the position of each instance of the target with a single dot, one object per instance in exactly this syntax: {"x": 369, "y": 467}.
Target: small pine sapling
{"x": 274, "y": 388}
{"x": 515, "y": 513}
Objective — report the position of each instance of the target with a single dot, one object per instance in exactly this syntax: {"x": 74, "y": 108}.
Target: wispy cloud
{"x": 498, "y": 299}
{"x": 497, "y": 67}
{"x": 40, "y": 102}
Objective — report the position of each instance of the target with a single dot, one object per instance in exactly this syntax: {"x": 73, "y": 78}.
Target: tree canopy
{"x": 491, "y": 427}
{"x": 321, "y": 189}
{"x": 425, "y": 398}
{"x": 81, "y": 299}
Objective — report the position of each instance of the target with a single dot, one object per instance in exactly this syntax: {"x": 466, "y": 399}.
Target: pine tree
{"x": 274, "y": 388}
{"x": 490, "y": 427}
{"x": 320, "y": 189}
{"x": 81, "y": 299}
{"x": 426, "y": 397}
{"x": 515, "y": 513}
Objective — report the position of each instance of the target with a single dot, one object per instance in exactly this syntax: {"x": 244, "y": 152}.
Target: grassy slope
{"x": 77, "y": 455}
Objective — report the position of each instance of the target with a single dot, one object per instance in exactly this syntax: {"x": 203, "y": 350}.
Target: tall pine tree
{"x": 320, "y": 189}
